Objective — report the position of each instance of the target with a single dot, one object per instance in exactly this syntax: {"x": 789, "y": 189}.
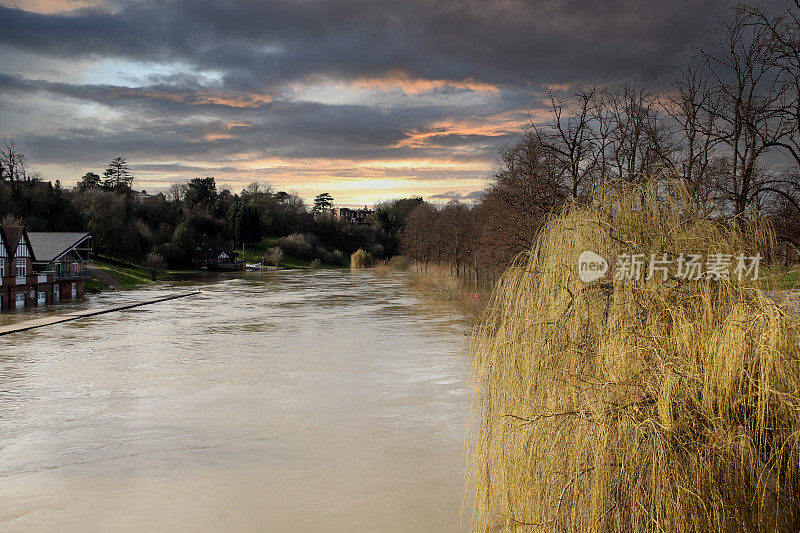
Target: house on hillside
{"x": 354, "y": 216}
{"x": 37, "y": 269}
{"x": 141, "y": 197}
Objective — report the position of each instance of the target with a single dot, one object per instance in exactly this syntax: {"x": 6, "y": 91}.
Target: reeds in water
{"x": 436, "y": 282}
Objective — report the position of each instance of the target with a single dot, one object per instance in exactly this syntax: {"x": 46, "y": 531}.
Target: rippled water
{"x": 288, "y": 401}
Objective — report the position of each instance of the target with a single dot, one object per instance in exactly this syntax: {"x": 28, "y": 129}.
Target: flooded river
{"x": 284, "y": 401}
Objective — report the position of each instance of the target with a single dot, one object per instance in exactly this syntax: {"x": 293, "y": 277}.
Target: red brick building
{"x": 354, "y": 216}
{"x": 37, "y": 269}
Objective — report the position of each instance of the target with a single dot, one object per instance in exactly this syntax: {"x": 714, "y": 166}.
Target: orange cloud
{"x": 415, "y": 86}
{"x": 49, "y": 6}
{"x": 559, "y": 87}
{"x": 246, "y": 100}
{"x": 509, "y": 123}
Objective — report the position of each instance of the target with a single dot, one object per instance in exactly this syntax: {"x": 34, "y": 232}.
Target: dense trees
{"x": 243, "y": 223}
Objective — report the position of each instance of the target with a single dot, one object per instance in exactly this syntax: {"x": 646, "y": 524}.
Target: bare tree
{"x": 13, "y": 163}
{"x": 745, "y": 88}
{"x": 691, "y": 106}
{"x": 570, "y": 139}
{"x": 177, "y": 192}
{"x": 421, "y": 237}
{"x": 155, "y": 264}
{"x": 456, "y": 225}
{"x": 637, "y": 143}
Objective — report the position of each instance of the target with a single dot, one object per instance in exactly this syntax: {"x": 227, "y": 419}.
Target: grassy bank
{"x": 636, "y": 405}
{"x": 127, "y": 274}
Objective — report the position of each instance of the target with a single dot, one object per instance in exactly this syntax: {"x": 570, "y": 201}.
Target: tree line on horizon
{"x": 171, "y": 225}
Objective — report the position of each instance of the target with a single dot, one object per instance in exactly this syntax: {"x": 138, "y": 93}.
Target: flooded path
{"x": 286, "y": 401}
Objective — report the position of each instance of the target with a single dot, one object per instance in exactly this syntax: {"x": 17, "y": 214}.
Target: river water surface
{"x": 284, "y": 401}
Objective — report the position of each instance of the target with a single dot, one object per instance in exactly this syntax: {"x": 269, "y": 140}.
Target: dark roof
{"x": 13, "y": 235}
{"x": 49, "y": 246}
{"x": 5, "y": 244}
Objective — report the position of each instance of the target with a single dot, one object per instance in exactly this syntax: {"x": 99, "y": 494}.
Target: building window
{"x": 2, "y": 267}
{"x": 22, "y": 267}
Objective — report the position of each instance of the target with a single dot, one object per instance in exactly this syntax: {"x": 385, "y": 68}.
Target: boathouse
{"x": 219, "y": 257}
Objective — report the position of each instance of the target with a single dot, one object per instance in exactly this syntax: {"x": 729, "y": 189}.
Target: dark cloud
{"x": 261, "y": 43}
{"x": 199, "y": 86}
{"x": 455, "y": 195}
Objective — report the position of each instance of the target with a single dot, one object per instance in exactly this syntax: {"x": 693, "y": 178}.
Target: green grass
{"x": 95, "y": 285}
{"x": 127, "y": 274}
{"x": 256, "y": 252}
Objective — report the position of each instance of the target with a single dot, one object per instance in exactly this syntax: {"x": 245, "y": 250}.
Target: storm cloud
{"x": 420, "y": 91}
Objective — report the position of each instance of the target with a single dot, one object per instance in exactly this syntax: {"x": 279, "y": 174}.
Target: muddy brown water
{"x": 284, "y": 401}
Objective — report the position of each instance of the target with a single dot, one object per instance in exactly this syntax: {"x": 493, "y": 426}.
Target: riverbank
{"x": 118, "y": 274}
{"x": 127, "y": 275}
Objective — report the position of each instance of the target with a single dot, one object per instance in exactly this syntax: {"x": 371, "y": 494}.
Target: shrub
{"x": 308, "y": 246}
{"x": 333, "y": 257}
{"x": 377, "y": 251}
{"x": 175, "y": 256}
{"x": 300, "y": 245}
{"x": 316, "y": 263}
{"x": 361, "y": 259}
{"x": 636, "y": 405}
{"x": 398, "y": 263}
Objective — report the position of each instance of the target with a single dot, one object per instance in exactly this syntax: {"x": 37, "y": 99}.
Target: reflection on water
{"x": 288, "y": 401}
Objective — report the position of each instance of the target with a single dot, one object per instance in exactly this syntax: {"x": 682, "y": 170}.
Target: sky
{"x": 364, "y": 99}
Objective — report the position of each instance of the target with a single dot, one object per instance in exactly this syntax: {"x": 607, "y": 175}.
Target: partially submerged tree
{"x": 155, "y": 264}
{"x": 273, "y": 256}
